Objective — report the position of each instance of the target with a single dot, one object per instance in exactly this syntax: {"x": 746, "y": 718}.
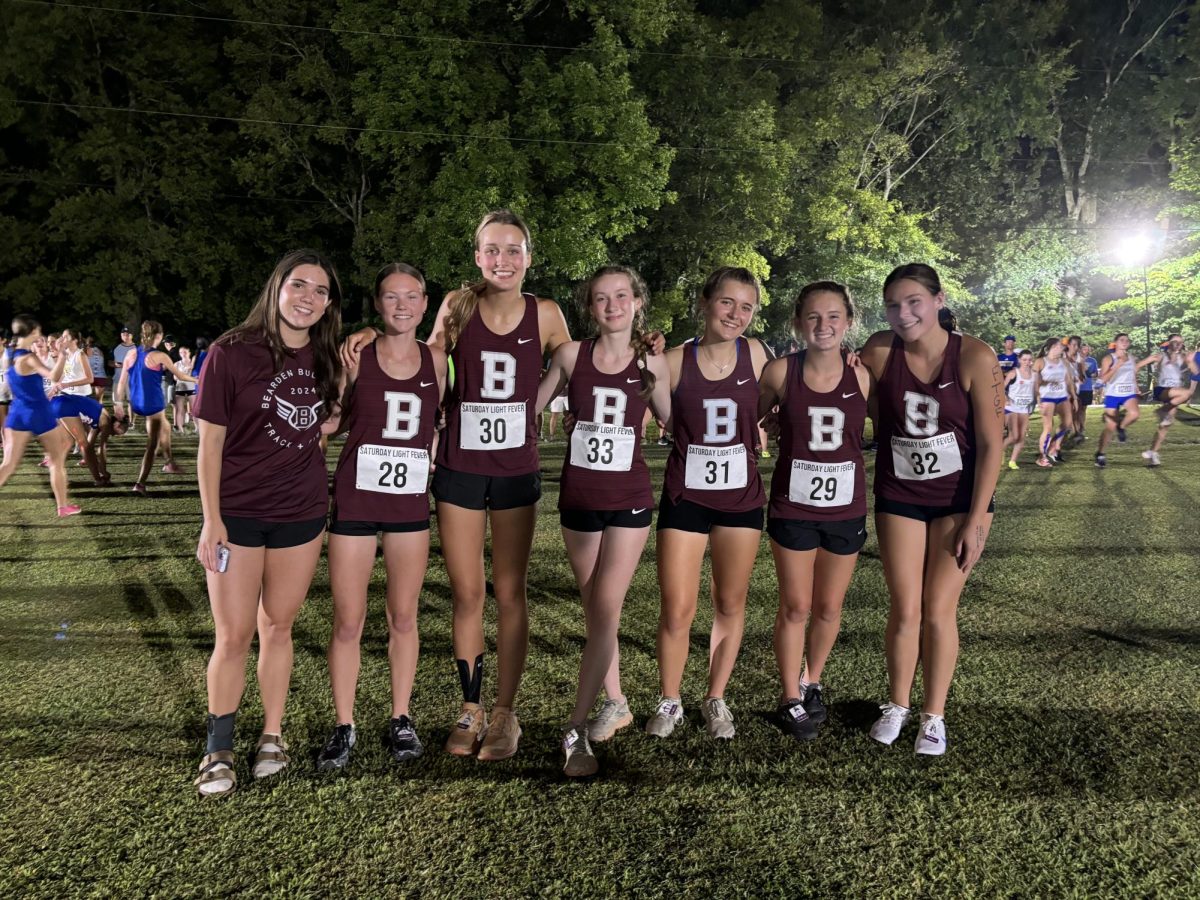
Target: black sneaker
{"x": 814, "y": 704}
{"x": 1101, "y": 461}
{"x": 336, "y": 753}
{"x": 795, "y": 721}
{"x": 663, "y": 442}
{"x": 1120, "y": 434}
{"x": 1058, "y": 458}
{"x": 402, "y": 739}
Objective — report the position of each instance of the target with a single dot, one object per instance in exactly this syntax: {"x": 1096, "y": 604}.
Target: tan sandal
{"x": 270, "y": 756}
{"x": 216, "y": 778}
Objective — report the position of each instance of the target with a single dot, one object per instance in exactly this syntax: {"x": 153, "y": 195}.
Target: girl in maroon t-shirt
{"x": 380, "y": 485}
{"x": 939, "y": 426}
{"x": 605, "y": 500}
{"x": 266, "y": 390}
{"x": 487, "y": 467}
{"x": 712, "y": 493}
{"x": 818, "y": 509}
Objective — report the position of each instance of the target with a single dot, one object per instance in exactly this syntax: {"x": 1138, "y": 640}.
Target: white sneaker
{"x": 578, "y": 759}
{"x": 1152, "y": 459}
{"x": 611, "y": 718}
{"x": 1147, "y": 454}
{"x": 891, "y": 719}
{"x": 717, "y": 718}
{"x": 931, "y": 737}
{"x": 665, "y": 718}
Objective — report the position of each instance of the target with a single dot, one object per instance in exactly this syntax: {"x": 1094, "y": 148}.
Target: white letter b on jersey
{"x": 609, "y": 406}
{"x": 403, "y": 416}
{"x": 825, "y": 426}
{"x": 920, "y": 414}
{"x": 499, "y": 375}
{"x": 720, "y": 421}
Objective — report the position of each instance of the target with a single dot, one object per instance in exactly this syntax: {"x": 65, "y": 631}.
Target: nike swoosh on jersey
{"x": 742, "y": 381}
{"x": 946, "y": 385}
{"x": 524, "y": 340}
{"x": 633, "y": 380}
{"x": 428, "y": 383}
{"x": 848, "y": 396}
{"x": 642, "y": 510}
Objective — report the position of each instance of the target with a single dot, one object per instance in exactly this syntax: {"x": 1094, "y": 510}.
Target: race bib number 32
{"x": 923, "y": 459}
{"x": 821, "y": 484}
{"x": 391, "y": 470}
{"x": 602, "y": 448}
{"x": 491, "y": 426}
{"x": 715, "y": 468}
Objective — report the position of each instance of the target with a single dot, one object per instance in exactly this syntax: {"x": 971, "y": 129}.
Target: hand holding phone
{"x": 222, "y": 558}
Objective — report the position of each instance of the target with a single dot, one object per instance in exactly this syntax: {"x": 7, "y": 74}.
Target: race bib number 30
{"x": 715, "y": 468}
{"x": 391, "y": 470}
{"x": 491, "y": 426}
{"x": 821, "y": 484}
{"x": 603, "y": 448}
{"x": 923, "y": 459}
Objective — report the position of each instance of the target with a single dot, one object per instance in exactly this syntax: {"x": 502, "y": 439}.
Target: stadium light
{"x": 1135, "y": 251}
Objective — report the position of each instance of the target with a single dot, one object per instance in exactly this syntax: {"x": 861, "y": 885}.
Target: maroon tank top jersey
{"x": 383, "y": 471}
{"x": 926, "y": 433}
{"x": 714, "y": 460}
{"x": 489, "y": 412}
{"x": 820, "y": 474}
{"x": 604, "y": 468}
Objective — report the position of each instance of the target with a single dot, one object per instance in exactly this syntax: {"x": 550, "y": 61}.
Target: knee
{"x": 402, "y": 623}
{"x": 728, "y": 605}
{"x": 511, "y": 600}
{"x": 827, "y": 613}
{"x": 905, "y": 618}
{"x": 232, "y": 643}
{"x": 275, "y": 632}
{"x": 468, "y": 602}
{"x": 348, "y": 629}
{"x": 676, "y": 617}
{"x": 794, "y": 611}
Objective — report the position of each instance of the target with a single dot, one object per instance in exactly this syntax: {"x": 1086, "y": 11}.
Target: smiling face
{"x": 822, "y": 320}
{"x": 613, "y": 303}
{"x": 730, "y": 310}
{"x": 911, "y": 309}
{"x": 503, "y": 256}
{"x": 1122, "y": 343}
{"x": 303, "y": 297}
{"x": 401, "y": 302}
{"x": 1025, "y": 362}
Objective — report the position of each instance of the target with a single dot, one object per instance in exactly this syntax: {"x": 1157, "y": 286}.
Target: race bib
{"x": 603, "y": 448}
{"x": 821, "y": 484}
{"x": 391, "y": 470}
{"x": 923, "y": 459}
{"x": 715, "y": 468}
{"x": 491, "y": 426}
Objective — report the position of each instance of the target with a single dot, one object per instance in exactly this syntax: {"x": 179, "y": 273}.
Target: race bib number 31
{"x": 491, "y": 426}
{"x": 923, "y": 459}
{"x": 715, "y": 468}
{"x": 602, "y": 448}
{"x": 391, "y": 470}
{"x": 821, "y": 484}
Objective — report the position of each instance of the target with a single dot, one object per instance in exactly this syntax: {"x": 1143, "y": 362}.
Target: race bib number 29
{"x": 821, "y": 484}
{"x": 491, "y": 426}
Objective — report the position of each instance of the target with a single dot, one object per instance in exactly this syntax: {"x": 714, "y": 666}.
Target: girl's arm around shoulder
{"x": 772, "y": 385}
{"x": 440, "y": 368}
{"x": 437, "y": 337}
{"x": 760, "y": 355}
{"x": 660, "y": 399}
{"x": 552, "y": 325}
{"x": 674, "y": 358}
{"x": 562, "y": 367}
{"x": 875, "y": 352}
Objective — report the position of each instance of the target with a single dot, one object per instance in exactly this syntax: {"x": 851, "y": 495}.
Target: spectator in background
{"x": 171, "y": 348}
{"x": 95, "y": 360}
{"x": 184, "y": 391}
{"x": 1008, "y": 357}
{"x": 1087, "y": 389}
{"x": 119, "y": 353}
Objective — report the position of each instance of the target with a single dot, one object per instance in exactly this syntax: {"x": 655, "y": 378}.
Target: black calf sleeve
{"x": 472, "y": 681}
{"x": 220, "y": 732}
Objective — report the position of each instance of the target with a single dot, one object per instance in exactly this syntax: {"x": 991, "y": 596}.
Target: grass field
{"x": 1074, "y": 766}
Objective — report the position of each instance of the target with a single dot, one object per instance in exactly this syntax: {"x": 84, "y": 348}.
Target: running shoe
{"x": 814, "y": 703}
{"x": 612, "y": 717}
{"x": 1120, "y": 434}
{"x": 403, "y": 742}
{"x": 718, "y": 720}
{"x": 1057, "y": 457}
{"x": 794, "y": 720}
{"x": 503, "y": 734}
{"x": 1101, "y": 461}
{"x": 138, "y": 488}
{"x": 891, "y": 719}
{"x": 336, "y": 752}
{"x": 1012, "y": 465}
{"x": 45, "y": 463}
{"x": 69, "y": 510}
{"x": 766, "y": 454}
{"x": 172, "y": 469}
{"x": 578, "y": 759}
{"x": 931, "y": 736}
{"x": 665, "y": 718}
{"x": 1044, "y": 462}
{"x": 663, "y": 442}
{"x": 1152, "y": 459}
{"x": 467, "y": 733}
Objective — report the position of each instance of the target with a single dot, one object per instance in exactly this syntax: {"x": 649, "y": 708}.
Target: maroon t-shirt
{"x": 714, "y": 460}
{"x": 604, "y": 468}
{"x": 271, "y": 465}
{"x": 820, "y": 475}
{"x": 383, "y": 472}
{"x": 927, "y": 448}
{"x": 490, "y": 428}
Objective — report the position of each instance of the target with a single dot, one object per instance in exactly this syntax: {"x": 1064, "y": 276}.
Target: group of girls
{"x": 272, "y": 386}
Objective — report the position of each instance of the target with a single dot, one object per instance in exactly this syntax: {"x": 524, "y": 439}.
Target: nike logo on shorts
{"x": 642, "y": 510}
{"x": 742, "y": 381}
{"x": 848, "y": 396}
{"x": 428, "y": 383}
{"x": 524, "y": 340}
{"x": 946, "y": 385}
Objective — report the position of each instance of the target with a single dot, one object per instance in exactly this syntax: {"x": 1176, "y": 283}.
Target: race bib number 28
{"x": 491, "y": 426}
{"x": 391, "y": 470}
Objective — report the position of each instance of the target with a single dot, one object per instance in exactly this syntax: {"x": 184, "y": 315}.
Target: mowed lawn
{"x": 1074, "y": 763}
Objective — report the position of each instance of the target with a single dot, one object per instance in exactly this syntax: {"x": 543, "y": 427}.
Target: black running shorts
{"x": 843, "y": 538}
{"x": 688, "y": 516}
{"x": 472, "y": 491}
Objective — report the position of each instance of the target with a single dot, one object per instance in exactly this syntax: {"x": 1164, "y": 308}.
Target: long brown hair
{"x": 149, "y": 329}
{"x": 464, "y": 301}
{"x": 637, "y": 337}
{"x": 261, "y": 325}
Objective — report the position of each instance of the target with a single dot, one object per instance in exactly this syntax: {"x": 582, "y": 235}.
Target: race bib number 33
{"x": 491, "y": 426}
{"x": 602, "y": 448}
{"x": 391, "y": 470}
{"x": 923, "y": 459}
{"x": 821, "y": 484}
{"x": 715, "y": 468}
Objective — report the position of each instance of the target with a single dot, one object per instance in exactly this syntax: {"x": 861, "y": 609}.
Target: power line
{"x": 462, "y": 136}
{"x": 20, "y": 177}
{"x": 443, "y": 39}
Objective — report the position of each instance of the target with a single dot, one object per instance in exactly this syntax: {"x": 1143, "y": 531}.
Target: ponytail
{"x": 149, "y": 329}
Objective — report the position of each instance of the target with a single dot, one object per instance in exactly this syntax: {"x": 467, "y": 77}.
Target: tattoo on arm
{"x": 998, "y": 391}
{"x": 979, "y": 535}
